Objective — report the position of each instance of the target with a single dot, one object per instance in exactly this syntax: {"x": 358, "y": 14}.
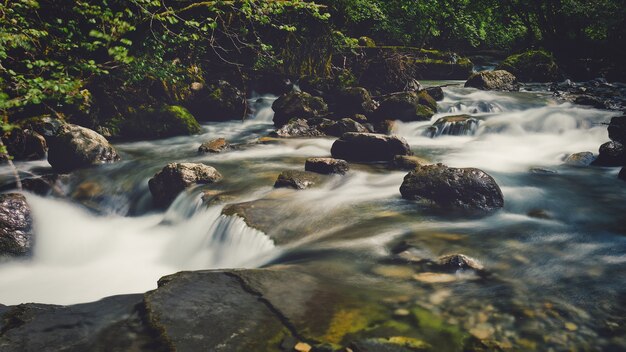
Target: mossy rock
{"x": 367, "y": 42}
{"x": 164, "y": 122}
{"x": 532, "y": 66}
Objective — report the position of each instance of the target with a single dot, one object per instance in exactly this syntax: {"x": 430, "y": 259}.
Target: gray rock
{"x": 176, "y": 177}
{"x": 407, "y": 162}
{"x": 297, "y": 179}
{"x": 326, "y": 165}
{"x": 16, "y": 237}
{"x": 338, "y": 128}
{"x": 297, "y": 105}
{"x": 467, "y": 189}
{"x": 75, "y": 147}
{"x": 369, "y": 147}
{"x": 457, "y": 125}
{"x": 493, "y": 80}
{"x": 580, "y": 159}
{"x": 298, "y": 128}
{"x": 454, "y": 262}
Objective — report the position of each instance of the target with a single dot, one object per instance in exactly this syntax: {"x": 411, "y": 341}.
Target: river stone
{"x": 176, "y": 177}
{"x": 297, "y": 179}
{"x": 298, "y": 105}
{"x": 25, "y": 145}
{"x": 617, "y": 129}
{"x": 298, "y": 128}
{"x": 407, "y": 162}
{"x": 454, "y": 262}
{"x": 214, "y": 146}
{"x": 326, "y": 166}
{"x": 406, "y": 106}
{"x": 493, "y": 80}
{"x": 351, "y": 101}
{"x": 580, "y": 159}
{"x": 16, "y": 235}
{"x": 447, "y": 187}
{"x": 75, "y": 147}
{"x": 338, "y": 128}
{"x": 611, "y": 154}
{"x": 369, "y": 147}
{"x": 112, "y": 324}
{"x": 435, "y": 92}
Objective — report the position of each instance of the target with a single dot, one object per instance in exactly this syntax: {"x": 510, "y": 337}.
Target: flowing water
{"x": 555, "y": 279}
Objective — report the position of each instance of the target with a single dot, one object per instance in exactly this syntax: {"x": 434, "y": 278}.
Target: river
{"x": 556, "y": 279}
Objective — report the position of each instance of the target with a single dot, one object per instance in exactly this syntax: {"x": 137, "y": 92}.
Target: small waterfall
{"x": 475, "y": 107}
{"x": 460, "y": 125}
{"x": 261, "y": 107}
{"x": 81, "y": 257}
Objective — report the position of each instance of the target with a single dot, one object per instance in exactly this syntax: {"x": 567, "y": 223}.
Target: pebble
{"x": 482, "y": 331}
{"x": 302, "y": 347}
{"x": 401, "y": 312}
{"x": 434, "y": 278}
{"x": 571, "y": 326}
{"x": 394, "y": 271}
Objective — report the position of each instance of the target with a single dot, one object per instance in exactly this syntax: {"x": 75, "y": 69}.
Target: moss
{"x": 423, "y": 113}
{"x": 412, "y": 344}
{"x": 151, "y": 123}
{"x": 439, "y": 332}
{"x": 533, "y": 65}
{"x": 344, "y": 322}
{"x": 367, "y": 42}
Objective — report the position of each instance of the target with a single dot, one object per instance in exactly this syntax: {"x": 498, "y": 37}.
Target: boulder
{"x": 532, "y": 66}
{"x": 466, "y": 189}
{"x": 580, "y": 159}
{"x": 163, "y": 122}
{"x": 217, "y": 101}
{"x": 176, "y": 177}
{"x": 435, "y": 92}
{"x": 617, "y": 129}
{"x": 298, "y": 105}
{"x": 214, "y": 146}
{"x": 338, "y": 128}
{"x": 493, "y": 80}
{"x": 457, "y": 125}
{"x": 297, "y": 179}
{"x": 611, "y": 154}
{"x": 369, "y": 147}
{"x": 25, "y": 144}
{"x": 74, "y": 147}
{"x": 407, "y": 162}
{"x": 455, "y": 262}
{"x": 351, "y": 101}
{"x": 298, "y": 128}
{"x": 326, "y": 165}
{"x": 16, "y": 237}
{"x": 406, "y": 106}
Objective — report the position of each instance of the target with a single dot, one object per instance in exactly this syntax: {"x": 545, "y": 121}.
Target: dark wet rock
{"x": 16, "y": 237}
{"x": 297, "y": 179}
{"x": 532, "y": 66}
{"x": 407, "y": 162}
{"x": 218, "y": 101}
{"x": 590, "y": 100}
{"x": 385, "y": 126}
{"x": 163, "y": 122}
{"x": 611, "y": 154}
{"x": 458, "y": 125}
{"x": 580, "y": 159}
{"x": 75, "y": 147}
{"x": 326, "y": 166}
{"x": 493, "y": 80}
{"x": 176, "y": 177}
{"x": 539, "y": 214}
{"x": 617, "y": 129}
{"x": 298, "y": 105}
{"x": 298, "y": 128}
{"x": 468, "y": 189}
{"x": 435, "y": 92}
{"x": 455, "y": 262}
{"x": 542, "y": 171}
{"x": 25, "y": 145}
{"x": 112, "y": 324}
{"x": 44, "y": 125}
{"x": 406, "y": 106}
{"x": 351, "y": 101}
{"x": 369, "y": 147}
{"x": 214, "y": 146}
{"x": 338, "y": 128}
{"x": 622, "y": 174}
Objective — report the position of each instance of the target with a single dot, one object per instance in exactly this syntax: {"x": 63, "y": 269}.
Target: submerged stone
{"x": 297, "y": 179}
